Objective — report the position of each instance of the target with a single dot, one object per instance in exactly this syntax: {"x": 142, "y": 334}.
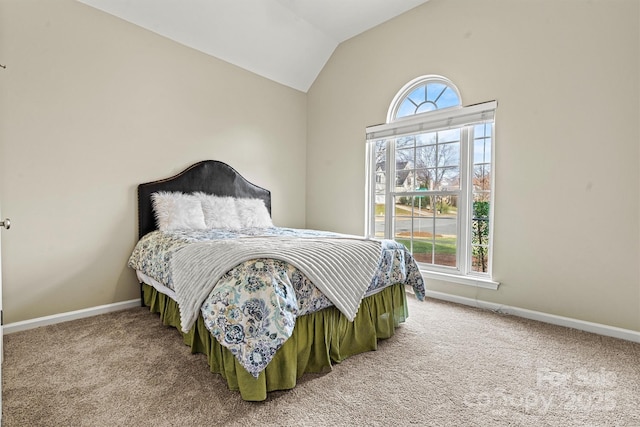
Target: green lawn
{"x": 399, "y": 211}
{"x": 444, "y": 245}
{"x": 405, "y": 210}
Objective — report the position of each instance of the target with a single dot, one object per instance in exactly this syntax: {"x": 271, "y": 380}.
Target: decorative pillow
{"x": 219, "y": 212}
{"x": 177, "y": 211}
{"x": 253, "y": 213}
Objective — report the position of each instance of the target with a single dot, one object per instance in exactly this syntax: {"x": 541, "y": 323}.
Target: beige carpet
{"x": 448, "y": 365}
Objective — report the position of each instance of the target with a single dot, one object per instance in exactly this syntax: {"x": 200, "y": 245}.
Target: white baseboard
{"x": 596, "y": 328}
{"x": 71, "y": 315}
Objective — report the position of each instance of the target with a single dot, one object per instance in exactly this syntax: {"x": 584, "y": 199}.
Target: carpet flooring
{"x": 448, "y": 365}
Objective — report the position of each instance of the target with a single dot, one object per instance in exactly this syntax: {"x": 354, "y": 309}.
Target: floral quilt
{"x": 253, "y": 307}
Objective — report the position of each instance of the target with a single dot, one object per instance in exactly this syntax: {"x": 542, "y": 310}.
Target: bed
{"x": 265, "y": 304}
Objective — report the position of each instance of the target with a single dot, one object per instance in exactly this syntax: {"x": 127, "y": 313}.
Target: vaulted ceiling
{"x": 288, "y": 41}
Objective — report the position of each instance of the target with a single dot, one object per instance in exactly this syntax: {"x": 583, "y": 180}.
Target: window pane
{"x": 379, "y": 216}
{"x": 431, "y": 182}
{"x": 426, "y": 156}
{"x": 446, "y": 230}
{"x": 427, "y": 226}
{"x": 451, "y": 135}
{"x": 404, "y": 142}
{"x": 423, "y": 249}
{"x": 404, "y": 158}
{"x": 426, "y": 107}
{"x": 448, "y": 99}
{"x": 481, "y": 178}
{"x": 434, "y": 91}
{"x": 380, "y": 155}
{"x": 480, "y": 259}
{"x": 482, "y": 151}
{"x": 414, "y": 226}
{"x": 404, "y": 180}
{"x": 480, "y": 236}
{"x": 482, "y": 143}
{"x": 422, "y": 179}
{"x": 450, "y": 179}
{"x": 407, "y": 108}
{"x": 483, "y": 196}
{"x": 443, "y": 179}
{"x": 449, "y": 154}
{"x": 479, "y": 130}
{"x": 426, "y": 138}
{"x": 403, "y": 218}
{"x": 482, "y": 130}
{"x": 418, "y": 96}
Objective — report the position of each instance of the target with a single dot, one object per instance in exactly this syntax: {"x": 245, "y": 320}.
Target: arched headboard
{"x": 209, "y": 176}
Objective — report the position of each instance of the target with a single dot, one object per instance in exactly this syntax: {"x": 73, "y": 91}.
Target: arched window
{"x": 430, "y": 181}
{"x": 424, "y": 94}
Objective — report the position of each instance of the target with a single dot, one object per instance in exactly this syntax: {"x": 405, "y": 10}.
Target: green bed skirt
{"x": 319, "y": 339}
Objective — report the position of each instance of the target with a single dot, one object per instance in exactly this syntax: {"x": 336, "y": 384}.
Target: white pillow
{"x": 253, "y": 213}
{"x": 177, "y": 211}
{"x": 219, "y": 212}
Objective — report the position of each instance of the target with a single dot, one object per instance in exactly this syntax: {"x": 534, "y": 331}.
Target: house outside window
{"x": 430, "y": 180}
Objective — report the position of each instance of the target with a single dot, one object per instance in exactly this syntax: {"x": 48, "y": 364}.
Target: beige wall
{"x": 90, "y": 106}
{"x": 566, "y": 77}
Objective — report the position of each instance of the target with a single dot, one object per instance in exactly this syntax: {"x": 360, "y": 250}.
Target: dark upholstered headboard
{"x": 209, "y": 176}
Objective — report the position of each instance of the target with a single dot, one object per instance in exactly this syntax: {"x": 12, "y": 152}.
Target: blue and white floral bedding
{"x": 252, "y": 308}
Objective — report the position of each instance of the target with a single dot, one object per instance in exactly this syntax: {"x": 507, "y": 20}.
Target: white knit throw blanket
{"x": 342, "y": 268}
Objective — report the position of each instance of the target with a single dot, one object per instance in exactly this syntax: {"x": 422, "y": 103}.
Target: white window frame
{"x": 447, "y": 118}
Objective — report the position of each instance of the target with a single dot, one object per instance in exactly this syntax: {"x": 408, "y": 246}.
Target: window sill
{"x": 477, "y": 282}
